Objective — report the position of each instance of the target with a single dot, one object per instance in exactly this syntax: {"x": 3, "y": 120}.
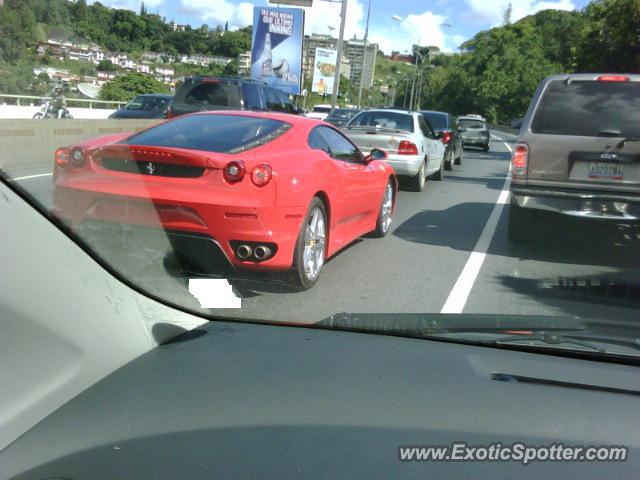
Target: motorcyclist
{"x": 58, "y": 102}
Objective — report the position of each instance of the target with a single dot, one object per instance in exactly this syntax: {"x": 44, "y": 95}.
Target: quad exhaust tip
{"x": 244, "y": 252}
{"x": 262, "y": 252}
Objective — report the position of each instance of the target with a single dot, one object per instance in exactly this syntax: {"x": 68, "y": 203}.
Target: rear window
{"x": 342, "y": 114}
{"x": 211, "y": 133}
{"x": 210, "y": 94}
{"x": 394, "y": 120}
{"x": 589, "y": 109}
{"x": 321, "y": 109}
{"x": 438, "y": 121}
{"x": 469, "y": 123}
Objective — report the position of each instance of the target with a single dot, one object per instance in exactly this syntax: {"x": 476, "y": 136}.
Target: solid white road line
{"x": 29, "y": 177}
{"x": 459, "y": 294}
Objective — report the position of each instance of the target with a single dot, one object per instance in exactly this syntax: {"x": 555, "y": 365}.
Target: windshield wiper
{"x": 555, "y": 339}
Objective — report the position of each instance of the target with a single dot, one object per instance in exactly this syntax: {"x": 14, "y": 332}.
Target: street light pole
{"x": 336, "y": 80}
{"x": 364, "y": 57}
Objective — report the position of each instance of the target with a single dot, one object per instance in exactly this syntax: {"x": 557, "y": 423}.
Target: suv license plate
{"x": 610, "y": 171}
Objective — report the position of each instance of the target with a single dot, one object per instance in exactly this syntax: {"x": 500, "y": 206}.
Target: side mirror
{"x": 376, "y": 154}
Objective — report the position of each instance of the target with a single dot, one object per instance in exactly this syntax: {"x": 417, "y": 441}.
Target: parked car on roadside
{"x": 262, "y": 192}
{"x": 339, "y": 117}
{"x": 200, "y": 93}
{"x": 319, "y": 112}
{"x": 153, "y": 105}
{"x": 474, "y": 132}
{"x": 446, "y": 127}
{"x": 577, "y": 152}
{"x": 414, "y": 151}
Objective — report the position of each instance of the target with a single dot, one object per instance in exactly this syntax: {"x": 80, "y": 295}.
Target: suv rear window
{"x": 211, "y": 133}
{"x": 209, "y": 95}
{"x": 469, "y": 123}
{"x": 589, "y": 108}
{"x": 438, "y": 121}
{"x": 395, "y": 120}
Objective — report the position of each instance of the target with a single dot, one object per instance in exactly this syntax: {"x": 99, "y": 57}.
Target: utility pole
{"x": 336, "y": 81}
{"x": 364, "y": 57}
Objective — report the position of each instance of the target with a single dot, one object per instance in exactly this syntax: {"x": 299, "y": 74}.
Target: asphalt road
{"x": 447, "y": 252}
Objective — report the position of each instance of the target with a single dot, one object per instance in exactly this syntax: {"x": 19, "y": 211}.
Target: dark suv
{"x": 199, "y": 93}
{"x": 447, "y": 129}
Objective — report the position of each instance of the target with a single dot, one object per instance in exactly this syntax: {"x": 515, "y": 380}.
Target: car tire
{"x": 383, "y": 224}
{"x": 418, "y": 182}
{"x": 306, "y": 274}
{"x": 448, "y": 166}
{"x": 439, "y": 175}
{"x": 522, "y": 222}
{"x": 458, "y": 161}
{"x": 37, "y": 116}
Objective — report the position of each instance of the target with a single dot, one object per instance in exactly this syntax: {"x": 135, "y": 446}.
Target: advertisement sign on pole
{"x": 276, "y": 53}
{"x": 324, "y": 70}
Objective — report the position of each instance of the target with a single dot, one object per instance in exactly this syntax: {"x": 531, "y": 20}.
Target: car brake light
{"x": 234, "y": 171}
{"x": 407, "y": 148}
{"x": 62, "y": 157}
{"x": 446, "y": 137}
{"x": 613, "y": 78}
{"x": 520, "y": 161}
{"x": 261, "y": 175}
{"x": 77, "y": 156}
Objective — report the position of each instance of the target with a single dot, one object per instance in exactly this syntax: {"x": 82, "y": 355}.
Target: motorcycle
{"x": 48, "y": 111}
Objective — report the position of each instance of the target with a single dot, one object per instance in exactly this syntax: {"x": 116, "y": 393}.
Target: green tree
{"x": 106, "y": 66}
{"x": 125, "y": 87}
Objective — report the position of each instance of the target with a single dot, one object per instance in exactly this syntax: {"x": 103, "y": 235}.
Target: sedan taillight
{"x": 407, "y": 148}
{"x": 234, "y": 171}
{"x": 520, "y": 161}
{"x": 446, "y": 137}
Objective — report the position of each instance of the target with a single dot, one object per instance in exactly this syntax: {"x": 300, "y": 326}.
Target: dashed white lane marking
{"x": 29, "y": 177}
{"x": 461, "y": 290}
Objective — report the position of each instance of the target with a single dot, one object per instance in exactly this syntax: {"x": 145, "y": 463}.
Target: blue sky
{"x": 421, "y": 21}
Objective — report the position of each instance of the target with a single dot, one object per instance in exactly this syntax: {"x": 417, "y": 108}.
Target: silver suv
{"x": 578, "y": 152}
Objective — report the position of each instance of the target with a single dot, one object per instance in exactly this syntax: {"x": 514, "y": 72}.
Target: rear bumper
{"x": 214, "y": 222}
{"x": 405, "y": 165}
{"x": 475, "y": 141}
{"x": 578, "y": 203}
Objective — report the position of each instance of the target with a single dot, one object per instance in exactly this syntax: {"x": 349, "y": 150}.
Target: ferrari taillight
{"x": 62, "y": 157}
{"x": 407, "y": 148}
{"x": 261, "y": 175}
{"x": 77, "y": 156}
{"x": 234, "y": 171}
{"x": 520, "y": 161}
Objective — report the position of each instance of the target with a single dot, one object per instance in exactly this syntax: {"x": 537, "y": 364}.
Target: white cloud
{"x": 218, "y": 12}
{"x": 492, "y": 12}
{"x": 323, "y": 15}
{"x": 423, "y": 29}
{"x": 131, "y": 4}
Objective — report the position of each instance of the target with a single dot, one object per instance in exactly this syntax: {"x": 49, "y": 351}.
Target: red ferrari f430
{"x": 272, "y": 192}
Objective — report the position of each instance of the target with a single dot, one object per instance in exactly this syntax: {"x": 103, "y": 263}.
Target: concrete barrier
{"x": 27, "y": 112}
{"x": 28, "y": 145}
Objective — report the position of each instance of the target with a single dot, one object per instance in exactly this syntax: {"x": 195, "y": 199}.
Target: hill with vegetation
{"x": 498, "y": 71}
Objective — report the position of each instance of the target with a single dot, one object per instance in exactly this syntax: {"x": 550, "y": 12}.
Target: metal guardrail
{"x": 85, "y": 101}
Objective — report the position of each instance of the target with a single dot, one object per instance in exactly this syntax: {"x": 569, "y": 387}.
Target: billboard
{"x": 276, "y": 52}
{"x": 324, "y": 70}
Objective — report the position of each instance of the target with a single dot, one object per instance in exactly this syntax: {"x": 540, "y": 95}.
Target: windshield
{"x": 393, "y": 120}
{"x": 372, "y": 212}
{"x": 468, "y": 123}
{"x": 438, "y": 121}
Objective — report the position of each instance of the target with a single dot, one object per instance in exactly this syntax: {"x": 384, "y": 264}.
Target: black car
{"x": 446, "y": 127}
{"x": 153, "y": 105}
{"x": 200, "y": 93}
{"x": 341, "y": 116}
